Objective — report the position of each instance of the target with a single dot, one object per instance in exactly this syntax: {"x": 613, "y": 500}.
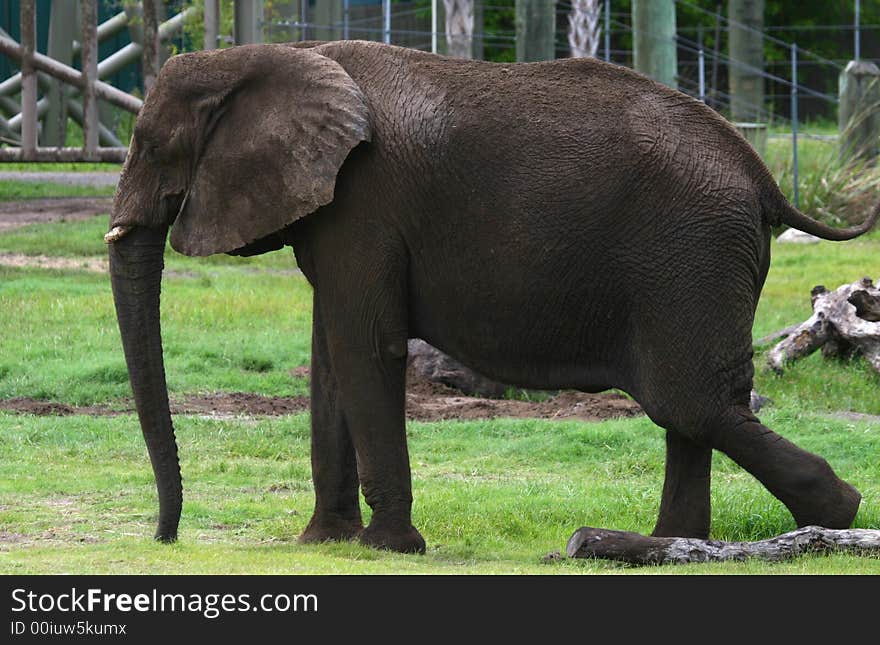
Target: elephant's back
{"x": 460, "y": 93}
{"x": 505, "y": 141}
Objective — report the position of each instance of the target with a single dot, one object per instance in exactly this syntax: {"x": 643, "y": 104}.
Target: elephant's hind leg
{"x": 685, "y": 509}
{"x": 337, "y": 513}
{"x": 704, "y": 409}
{"x": 804, "y": 482}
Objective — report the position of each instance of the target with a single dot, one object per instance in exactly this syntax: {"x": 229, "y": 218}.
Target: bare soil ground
{"x": 60, "y": 209}
{"x": 425, "y": 401}
{"x": 99, "y": 265}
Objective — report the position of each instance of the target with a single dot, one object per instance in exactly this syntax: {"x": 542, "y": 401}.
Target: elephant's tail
{"x": 791, "y": 216}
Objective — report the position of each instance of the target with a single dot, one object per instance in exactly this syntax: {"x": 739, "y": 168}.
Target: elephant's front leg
{"x": 685, "y": 508}
{"x": 337, "y": 513}
{"x": 367, "y": 339}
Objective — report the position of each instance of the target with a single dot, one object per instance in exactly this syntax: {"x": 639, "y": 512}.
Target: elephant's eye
{"x": 174, "y": 145}
{"x": 148, "y": 146}
{"x": 160, "y": 151}
{"x": 147, "y": 150}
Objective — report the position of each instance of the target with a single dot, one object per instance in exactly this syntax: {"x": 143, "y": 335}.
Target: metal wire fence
{"x": 794, "y": 78}
{"x": 702, "y": 71}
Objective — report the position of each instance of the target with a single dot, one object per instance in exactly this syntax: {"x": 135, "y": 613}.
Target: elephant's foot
{"x": 835, "y": 507}
{"x": 331, "y": 528}
{"x": 667, "y": 527}
{"x": 397, "y": 536}
{"x": 686, "y": 512}
{"x": 815, "y": 495}
{"x": 804, "y": 482}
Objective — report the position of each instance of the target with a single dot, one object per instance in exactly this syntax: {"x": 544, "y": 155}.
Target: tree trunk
{"x": 328, "y": 16}
{"x": 747, "y": 60}
{"x": 654, "y": 52}
{"x": 584, "y": 28}
{"x": 459, "y": 27}
{"x": 535, "y": 30}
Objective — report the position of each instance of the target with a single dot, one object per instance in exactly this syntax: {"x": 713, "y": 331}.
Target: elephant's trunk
{"x": 136, "y": 263}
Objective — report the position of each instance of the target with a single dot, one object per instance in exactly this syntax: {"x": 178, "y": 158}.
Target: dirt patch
{"x": 26, "y": 405}
{"x": 240, "y": 403}
{"x": 219, "y": 404}
{"x": 425, "y": 401}
{"x": 93, "y": 264}
{"x": 99, "y": 265}
{"x": 60, "y": 209}
{"x": 855, "y": 416}
{"x": 11, "y": 538}
{"x": 302, "y": 371}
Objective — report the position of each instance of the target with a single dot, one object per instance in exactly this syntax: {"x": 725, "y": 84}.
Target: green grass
{"x": 815, "y": 383}
{"x": 61, "y": 341}
{"x": 491, "y": 497}
{"x": 77, "y": 494}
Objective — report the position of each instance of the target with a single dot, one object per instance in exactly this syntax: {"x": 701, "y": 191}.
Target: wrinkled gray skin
{"x": 568, "y": 224}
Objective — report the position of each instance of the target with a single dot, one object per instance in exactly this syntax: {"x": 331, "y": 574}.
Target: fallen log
{"x": 845, "y": 322}
{"x": 634, "y": 548}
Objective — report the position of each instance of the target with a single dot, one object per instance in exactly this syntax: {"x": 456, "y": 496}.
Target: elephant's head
{"x": 231, "y": 146}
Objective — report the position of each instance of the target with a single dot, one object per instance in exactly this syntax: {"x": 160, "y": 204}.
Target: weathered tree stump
{"x": 867, "y": 305}
{"x": 634, "y": 548}
{"x": 845, "y": 322}
{"x": 433, "y": 365}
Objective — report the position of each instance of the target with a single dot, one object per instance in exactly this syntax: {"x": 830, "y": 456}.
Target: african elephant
{"x": 552, "y": 225}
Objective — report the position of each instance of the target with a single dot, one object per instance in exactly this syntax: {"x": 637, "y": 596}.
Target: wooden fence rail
{"x": 41, "y": 72}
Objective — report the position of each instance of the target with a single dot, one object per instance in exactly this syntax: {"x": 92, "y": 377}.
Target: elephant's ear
{"x": 274, "y": 140}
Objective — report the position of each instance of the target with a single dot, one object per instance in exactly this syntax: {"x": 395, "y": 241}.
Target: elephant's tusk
{"x": 116, "y": 233}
